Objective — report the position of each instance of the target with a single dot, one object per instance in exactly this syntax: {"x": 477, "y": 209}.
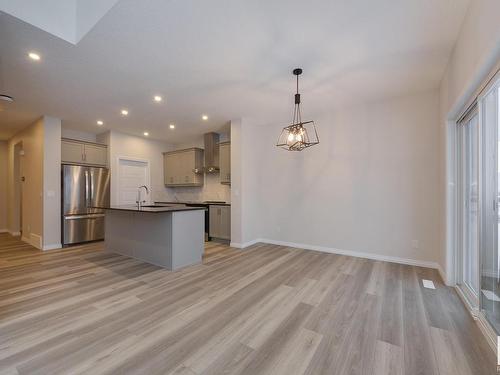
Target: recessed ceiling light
{"x": 158, "y": 98}
{"x": 34, "y": 56}
{"x": 146, "y": 134}
{"x": 204, "y": 117}
{"x": 171, "y": 126}
{"x": 100, "y": 122}
{"x": 6, "y": 98}
{"x": 124, "y": 112}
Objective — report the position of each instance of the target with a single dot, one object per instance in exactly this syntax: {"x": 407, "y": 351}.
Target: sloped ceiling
{"x": 69, "y": 20}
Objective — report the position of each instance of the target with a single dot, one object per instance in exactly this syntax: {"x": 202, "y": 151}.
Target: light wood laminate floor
{"x": 265, "y": 310}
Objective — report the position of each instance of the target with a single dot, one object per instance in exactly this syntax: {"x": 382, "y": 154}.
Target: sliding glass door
{"x": 468, "y": 260}
{"x": 490, "y": 267}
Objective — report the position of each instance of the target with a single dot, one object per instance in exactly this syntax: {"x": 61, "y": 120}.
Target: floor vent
{"x": 428, "y": 284}
{"x": 490, "y": 296}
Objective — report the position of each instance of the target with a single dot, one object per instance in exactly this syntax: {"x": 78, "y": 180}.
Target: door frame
{"x": 473, "y": 300}
{"x": 133, "y": 159}
{"x": 18, "y": 174}
{"x": 453, "y": 210}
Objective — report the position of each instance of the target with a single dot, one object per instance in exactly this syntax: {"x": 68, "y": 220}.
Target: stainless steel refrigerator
{"x": 85, "y": 192}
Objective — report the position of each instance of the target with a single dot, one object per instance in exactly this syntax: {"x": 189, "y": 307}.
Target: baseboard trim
{"x": 52, "y": 247}
{"x": 444, "y": 277}
{"x": 488, "y": 332}
{"x": 4, "y": 231}
{"x": 485, "y": 327}
{"x": 245, "y": 244}
{"x": 474, "y": 311}
{"x": 15, "y": 234}
{"x": 357, "y": 254}
{"x": 34, "y": 240}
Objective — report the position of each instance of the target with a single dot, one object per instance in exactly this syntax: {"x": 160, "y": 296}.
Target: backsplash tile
{"x": 212, "y": 190}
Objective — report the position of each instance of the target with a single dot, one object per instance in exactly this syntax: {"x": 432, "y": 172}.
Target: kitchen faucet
{"x": 139, "y": 201}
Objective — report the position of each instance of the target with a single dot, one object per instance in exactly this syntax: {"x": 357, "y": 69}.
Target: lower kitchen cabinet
{"x": 220, "y": 221}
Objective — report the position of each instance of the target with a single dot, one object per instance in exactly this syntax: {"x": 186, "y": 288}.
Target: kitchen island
{"x": 168, "y": 236}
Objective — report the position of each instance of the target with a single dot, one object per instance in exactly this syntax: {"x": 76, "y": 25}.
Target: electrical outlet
{"x": 414, "y": 244}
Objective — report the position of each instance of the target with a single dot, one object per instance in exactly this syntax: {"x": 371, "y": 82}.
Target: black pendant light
{"x": 299, "y": 135}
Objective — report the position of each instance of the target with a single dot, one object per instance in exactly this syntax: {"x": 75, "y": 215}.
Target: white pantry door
{"x": 131, "y": 175}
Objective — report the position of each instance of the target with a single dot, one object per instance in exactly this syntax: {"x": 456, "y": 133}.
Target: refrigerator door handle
{"x": 77, "y": 217}
{"x": 91, "y": 186}
{"x": 86, "y": 188}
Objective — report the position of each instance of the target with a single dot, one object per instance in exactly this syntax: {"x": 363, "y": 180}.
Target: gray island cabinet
{"x": 170, "y": 237}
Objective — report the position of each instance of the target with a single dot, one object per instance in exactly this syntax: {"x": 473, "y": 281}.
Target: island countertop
{"x": 155, "y": 209}
{"x": 204, "y": 203}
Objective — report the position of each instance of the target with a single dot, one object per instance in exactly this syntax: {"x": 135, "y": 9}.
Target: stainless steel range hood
{"x": 211, "y": 144}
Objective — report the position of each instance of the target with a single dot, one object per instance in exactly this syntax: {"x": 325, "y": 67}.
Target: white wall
{"x": 236, "y": 199}
{"x": 476, "y": 53}
{"x": 32, "y": 140}
{"x": 51, "y": 183}
{"x": 41, "y": 191}
{"x": 3, "y": 185}
{"x": 370, "y": 186}
{"x": 124, "y": 145}
{"x": 78, "y": 135}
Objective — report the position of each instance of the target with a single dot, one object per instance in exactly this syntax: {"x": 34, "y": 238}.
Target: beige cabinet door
{"x": 225, "y": 163}
{"x": 179, "y": 167}
{"x": 214, "y": 221}
{"x": 225, "y": 222}
{"x": 220, "y": 221}
{"x": 72, "y": 152}
{"x": 96, "y": 155}
{"x": 188, "y": 166}
{"x": 169, "y": 169}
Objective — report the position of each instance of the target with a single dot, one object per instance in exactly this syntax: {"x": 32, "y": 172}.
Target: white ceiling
{"x": 225, "y": 58}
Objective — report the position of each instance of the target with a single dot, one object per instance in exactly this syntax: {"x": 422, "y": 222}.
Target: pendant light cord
{"x": 297, "y": 118}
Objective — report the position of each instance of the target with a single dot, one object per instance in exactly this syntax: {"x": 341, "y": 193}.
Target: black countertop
{"x": 206, "y": 203}
{"x": 157, "y": 209}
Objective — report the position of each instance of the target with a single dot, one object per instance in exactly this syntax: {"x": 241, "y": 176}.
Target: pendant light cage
{"x": 300, "y": 134}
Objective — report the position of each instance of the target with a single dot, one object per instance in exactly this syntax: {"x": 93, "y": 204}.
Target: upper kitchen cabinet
{"x": 183, "y": 167}
{"x": 78, "y": 152}
{"x": 225, "y": 162}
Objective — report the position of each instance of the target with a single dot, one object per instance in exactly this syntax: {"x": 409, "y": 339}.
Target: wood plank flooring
{"x": 265, "y": 310}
